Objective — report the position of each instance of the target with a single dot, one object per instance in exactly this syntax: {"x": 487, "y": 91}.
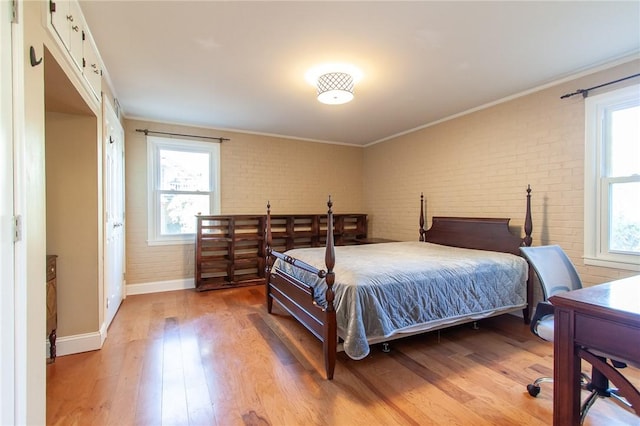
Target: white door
{"x": 7, "y": 299}
{"x": 113, "y": 142}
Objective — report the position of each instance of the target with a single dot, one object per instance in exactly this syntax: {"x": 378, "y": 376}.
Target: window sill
{"x": 611, "y": 263}
{"x": 190, "y": 240}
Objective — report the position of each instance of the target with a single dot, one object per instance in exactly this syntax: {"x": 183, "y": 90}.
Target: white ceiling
{"x": 240, "y": 65}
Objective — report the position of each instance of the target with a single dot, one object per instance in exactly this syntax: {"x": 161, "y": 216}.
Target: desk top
{"x": 620, "y": 298}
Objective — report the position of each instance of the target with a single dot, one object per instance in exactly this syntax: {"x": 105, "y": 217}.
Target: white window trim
{"x": 154, "y": 145}
{"x": 595, "y": 212}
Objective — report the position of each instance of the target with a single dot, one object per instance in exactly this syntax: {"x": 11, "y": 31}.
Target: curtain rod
{"x": 147, "y": 131}
{"x": 585, "y": 92}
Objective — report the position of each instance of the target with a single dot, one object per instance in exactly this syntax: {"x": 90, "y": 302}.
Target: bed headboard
{"x": 476, "y": 233}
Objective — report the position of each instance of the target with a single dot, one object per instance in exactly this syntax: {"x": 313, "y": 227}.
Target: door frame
{"x": 7, "y": 256}
{"x": 23, "y": 381}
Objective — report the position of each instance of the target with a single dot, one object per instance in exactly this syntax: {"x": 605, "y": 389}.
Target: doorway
{"x": 73, "y": 209}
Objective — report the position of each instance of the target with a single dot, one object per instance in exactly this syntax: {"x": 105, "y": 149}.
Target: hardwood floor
{"x": 217, "y": 358}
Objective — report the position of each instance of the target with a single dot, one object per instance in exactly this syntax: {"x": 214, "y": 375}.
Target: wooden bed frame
{"x": 297, "y": 298}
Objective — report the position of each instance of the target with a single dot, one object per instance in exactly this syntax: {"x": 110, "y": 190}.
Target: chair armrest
{"x": 543, "y": 309}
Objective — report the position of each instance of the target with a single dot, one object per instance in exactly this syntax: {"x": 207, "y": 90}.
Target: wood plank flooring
{"x": 217, "y": 358}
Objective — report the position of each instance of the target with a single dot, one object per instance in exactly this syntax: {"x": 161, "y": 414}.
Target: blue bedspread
{"x": 385, "y": 289}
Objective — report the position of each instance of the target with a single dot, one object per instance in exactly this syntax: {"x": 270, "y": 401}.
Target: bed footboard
{"x": 297, "y": 298}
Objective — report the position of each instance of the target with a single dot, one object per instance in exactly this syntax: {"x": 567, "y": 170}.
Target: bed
{"x": 460, "y": 270}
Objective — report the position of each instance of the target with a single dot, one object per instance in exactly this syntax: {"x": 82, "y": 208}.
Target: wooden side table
{"x": 52, "y": 305}
{"x": 374, "y": 240}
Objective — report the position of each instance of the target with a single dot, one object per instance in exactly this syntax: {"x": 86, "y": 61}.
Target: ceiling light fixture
{"x": 334, "y": 82}
{"x": 335, "y": 88}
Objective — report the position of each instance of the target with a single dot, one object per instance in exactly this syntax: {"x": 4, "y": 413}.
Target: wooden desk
{"x": 605, "y": 318}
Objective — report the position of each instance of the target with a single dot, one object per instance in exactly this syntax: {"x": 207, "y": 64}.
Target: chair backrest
{"x": 554, "y": 269}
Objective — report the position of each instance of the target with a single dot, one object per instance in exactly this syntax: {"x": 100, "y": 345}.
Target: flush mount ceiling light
{"x": 335, "y": 88}
{"x": 334, "y": 82}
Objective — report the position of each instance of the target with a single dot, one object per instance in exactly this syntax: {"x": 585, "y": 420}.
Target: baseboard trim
{"x": 77, "y": 343}
{"x": 103, "y": 333}
{"x": 159, "y": 286}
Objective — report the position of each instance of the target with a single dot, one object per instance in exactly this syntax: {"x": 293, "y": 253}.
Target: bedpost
{"x": 330, "y": 338}
{"x": 422, "y": 231}
{"x": 528, "y": 224}
{"x": 528, "y": 229}
{"x": 268, "y": 259}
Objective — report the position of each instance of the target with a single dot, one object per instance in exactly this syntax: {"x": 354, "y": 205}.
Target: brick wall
{"x": 295, "y": 176}
{"x": 480, "y": 164}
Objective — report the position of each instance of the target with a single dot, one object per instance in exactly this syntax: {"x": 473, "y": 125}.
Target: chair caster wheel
{"x": 534, "y": 390}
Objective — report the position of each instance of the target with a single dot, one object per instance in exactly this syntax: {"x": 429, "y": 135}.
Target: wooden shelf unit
{"x": 230, "y": 250}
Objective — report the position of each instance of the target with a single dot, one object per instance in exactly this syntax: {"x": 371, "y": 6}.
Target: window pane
{"x": 177, "y": 212}
{"x": 625, "y": 142}
{"x": 184, "y": 170}
{"x": 625, "y": 217}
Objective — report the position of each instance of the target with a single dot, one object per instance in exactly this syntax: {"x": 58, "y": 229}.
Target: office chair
{"x": 557, "y": 274}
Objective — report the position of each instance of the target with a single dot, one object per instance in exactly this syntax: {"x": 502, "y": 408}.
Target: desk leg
{"x": 566, "y": 371}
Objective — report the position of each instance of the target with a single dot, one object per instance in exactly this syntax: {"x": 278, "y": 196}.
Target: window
{"x": 612, "y": 179}
{"x": 183, "y": 181}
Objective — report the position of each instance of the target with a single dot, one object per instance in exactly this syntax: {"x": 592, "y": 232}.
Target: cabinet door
{"x": 76, "y": 30}
{"x": 92, "y": 70}
{"x": 60, "y": 16}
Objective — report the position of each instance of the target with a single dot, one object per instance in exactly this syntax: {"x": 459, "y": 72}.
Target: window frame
{"x": 597, "y": 182}
{"x": 154, "y": 145}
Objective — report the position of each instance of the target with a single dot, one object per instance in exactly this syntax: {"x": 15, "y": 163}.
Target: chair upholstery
{"x": 557, "y": 274}
{"x": 555, "y": 271}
